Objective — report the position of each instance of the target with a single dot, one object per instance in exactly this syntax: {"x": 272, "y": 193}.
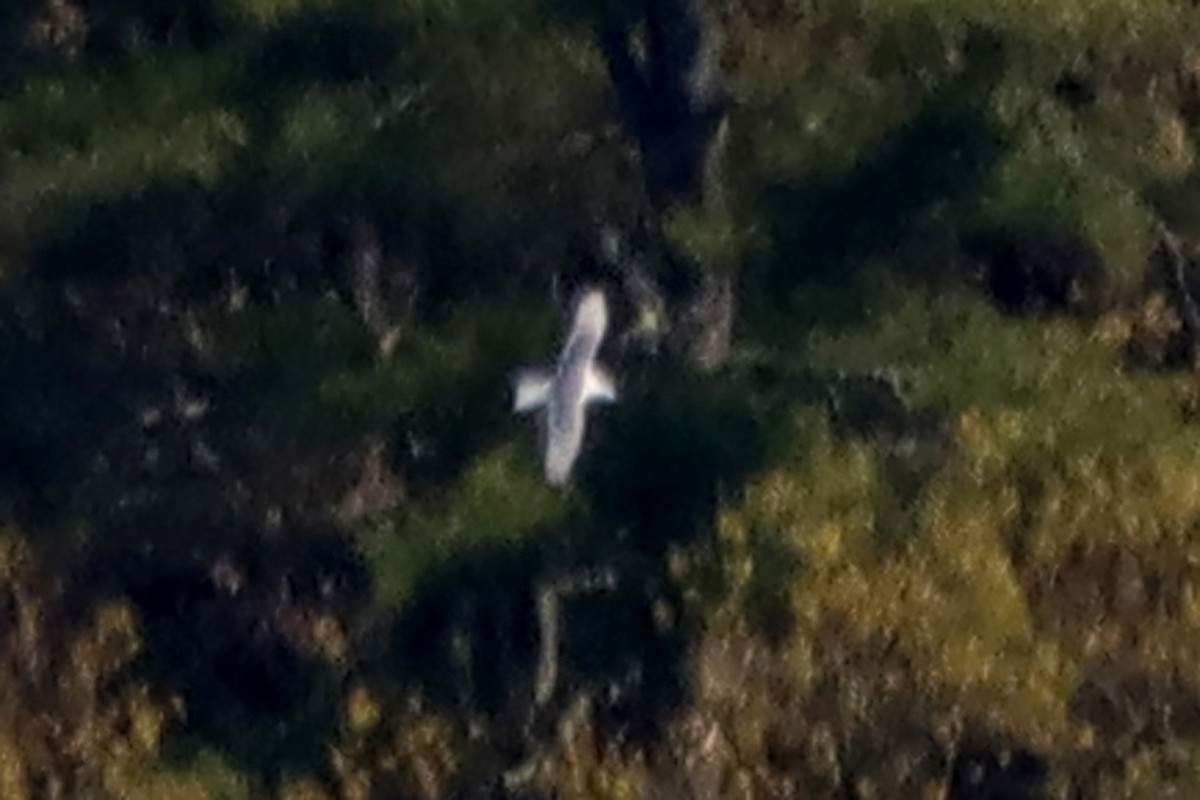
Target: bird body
{"x": 566, "y": 389}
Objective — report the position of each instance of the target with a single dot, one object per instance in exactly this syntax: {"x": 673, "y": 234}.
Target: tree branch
{"x": 549, "y": 609}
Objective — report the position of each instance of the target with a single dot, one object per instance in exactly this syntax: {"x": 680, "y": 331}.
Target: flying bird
{"x": 564, "y": 390}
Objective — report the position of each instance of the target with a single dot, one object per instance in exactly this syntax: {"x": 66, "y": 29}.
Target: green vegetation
{"x": 929, "y": 526}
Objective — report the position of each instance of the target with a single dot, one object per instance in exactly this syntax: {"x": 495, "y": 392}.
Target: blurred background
{"x": 901, "y": 500}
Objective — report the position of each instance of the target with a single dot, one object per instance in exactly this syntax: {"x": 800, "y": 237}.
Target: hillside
{"x": 901, "y": 498}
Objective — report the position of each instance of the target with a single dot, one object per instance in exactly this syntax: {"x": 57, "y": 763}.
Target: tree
{"x": 675, "y": 107}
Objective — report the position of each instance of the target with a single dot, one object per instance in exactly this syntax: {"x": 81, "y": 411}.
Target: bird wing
{"x": 532, "y": 387}
{"x": 599, "y": 385}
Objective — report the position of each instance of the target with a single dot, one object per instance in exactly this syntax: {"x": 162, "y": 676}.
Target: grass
{"x": 501, "y": 502}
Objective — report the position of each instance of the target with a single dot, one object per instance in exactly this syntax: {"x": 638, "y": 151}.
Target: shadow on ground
{"x": 659, "y": 465}
{"x": 904, "y": 202}
{"x": 474, "y": 638}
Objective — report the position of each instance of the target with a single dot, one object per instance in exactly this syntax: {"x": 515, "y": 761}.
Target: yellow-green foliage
{"x": 1084, "y": 171}
{"x": 323, "y": 126}
{"x": 1058, "y": 382}
{"x": 1054, "y": 179}
{"x": 77, "y": 136}
{"x": 496, "y": 132}
{"x": 383, "y": 752}
{"x": 1049, "y": 556}
{"x": 1151, "y": 772}
{"x": 206, "y": 777}
{"x": 69, "y": 717}
{"x": 1031, "y": 580}
{"x": 586, "y": 767}
{"x": 1065, "y": 22}
{"x": 709, "y": 235}
{"x": 950, "y": 597}
{"x": 825, "y": 84}
{"x": 840, "y": 479}
{"x": 1099, "y": 455}
{"x": 501, "y": 501}
{"x": 440, "y": 365}
{"x": 313, "y": 368}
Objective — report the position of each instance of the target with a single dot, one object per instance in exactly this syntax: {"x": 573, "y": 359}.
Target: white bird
{"x": 564, "y": 391}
